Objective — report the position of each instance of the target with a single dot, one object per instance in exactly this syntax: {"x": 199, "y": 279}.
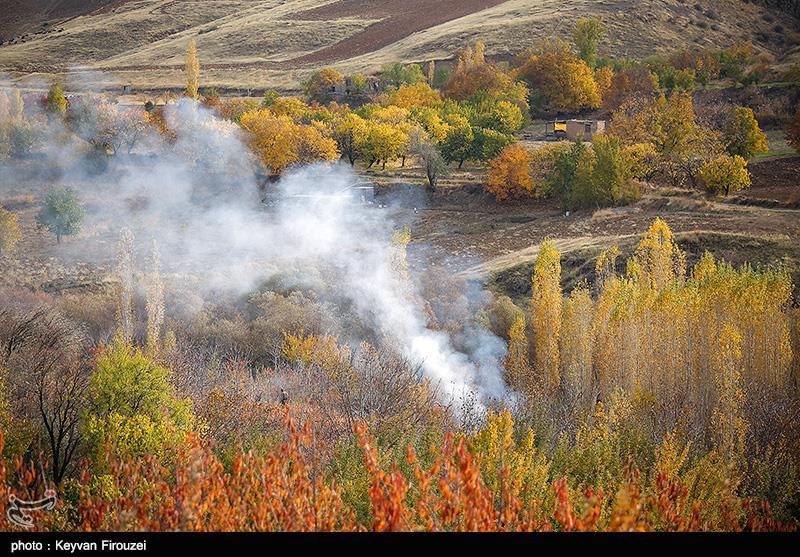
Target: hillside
{"x": 274, "y": 43}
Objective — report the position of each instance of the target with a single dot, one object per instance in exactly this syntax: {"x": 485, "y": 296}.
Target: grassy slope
{"x": 261, "y": 43}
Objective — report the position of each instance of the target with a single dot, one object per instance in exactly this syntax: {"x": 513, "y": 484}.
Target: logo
{"x": 18, "y": 509}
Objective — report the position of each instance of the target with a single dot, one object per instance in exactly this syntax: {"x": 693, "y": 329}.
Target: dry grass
{"x": 256, "y": 43}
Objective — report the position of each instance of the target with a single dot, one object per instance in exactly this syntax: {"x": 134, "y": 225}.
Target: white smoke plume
{"x": 198, "y": 197}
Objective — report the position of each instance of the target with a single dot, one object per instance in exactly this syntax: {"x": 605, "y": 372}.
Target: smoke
{"x": 198, "y": 198}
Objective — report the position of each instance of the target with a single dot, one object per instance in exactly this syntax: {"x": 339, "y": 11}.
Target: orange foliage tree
{"x": 565, "y": 82}
{"x": 281, "y": 142}
{"x": 509, "y": 174}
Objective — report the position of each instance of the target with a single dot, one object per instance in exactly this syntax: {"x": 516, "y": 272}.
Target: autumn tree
{"x": 55, "y": 101}
{"x": 382, "y": 142}
{"x": 629, "y": 83}
{"x": 281, "y": 143}
{"x": 349, "y": 130}
{"x": 730, "y": 426}
{"x": 516, "y": 363}
{"x": 10, "y": 231}
{"x": 657, "y": 261}
{"x": 320, "y": 85}
{"x": 741, "y": 134}
{"x": 417, "y": 94}
{"x": 546, "y": 315}
{"x": 564, "y": 81}
{"x": 473, "y": 74}
{"x": 61, "y": 213}
{"x": 509, "y": 174}
{"x": 604, "y": 76}
{"x": 192, "y": 70}
{"x": 670, "y": 124}
{"x": 587, "y": 35}
{"x": 724, "y": 175}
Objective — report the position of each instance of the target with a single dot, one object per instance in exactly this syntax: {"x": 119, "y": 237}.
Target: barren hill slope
{"x": 276, "y": 43}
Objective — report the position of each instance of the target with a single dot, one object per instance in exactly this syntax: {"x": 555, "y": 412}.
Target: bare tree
{"x": 42, "y": 352}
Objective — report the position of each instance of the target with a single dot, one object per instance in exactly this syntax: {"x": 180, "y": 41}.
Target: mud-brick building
{"x": 574, "y": 129}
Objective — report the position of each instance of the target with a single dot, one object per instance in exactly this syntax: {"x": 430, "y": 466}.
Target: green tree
{"x": 270, "y": 96}
{"x": 565, "y": 171}
{"x": 397, "y": 74}
{"x": 587, "y": 35}
{"x": 742, "y": 135}
{"x": 612, "y": 172}
{"x": 134, "y": 408}
{"x": 61, "y": 213}
{"x": 457, "y": 144}
{"x": 489, "y": 143}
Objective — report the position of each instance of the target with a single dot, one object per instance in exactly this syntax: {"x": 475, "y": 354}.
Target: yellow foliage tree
{"x": 670, "y": 125}
{"x": 192, "y": 70}
{"x": 730, "y": 426}
{"x": 10, "y": 233}
{"x": 658, "y": 261}
{"x": 382, "y": 142}
{"x": 319, "y": 86}
{"x": 505, "y": 456}
{"x": 604, "y": 76}
{"x": 417, "y": 94}
{"x": 724, "y": 175}
{"x": 349, "y": 131}
{"x": 546, "y": 307}
{"x": 516, "y": 364}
